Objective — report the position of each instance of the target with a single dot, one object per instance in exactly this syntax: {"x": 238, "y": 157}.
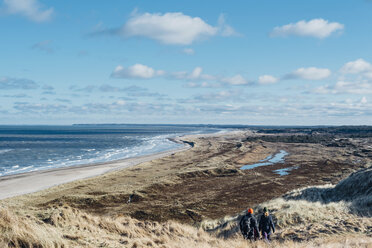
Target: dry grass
{"x": 354, "y": 191}
{"x": 19, "y": 231}
{"x": 314, "y": 212}
{"x": 326, "y": 216}
{"x": 67, "y": 227}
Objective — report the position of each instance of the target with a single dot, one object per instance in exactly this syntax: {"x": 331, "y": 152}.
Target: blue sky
{"x": 220, "y": 62}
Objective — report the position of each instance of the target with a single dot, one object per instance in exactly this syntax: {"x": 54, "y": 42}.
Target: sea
{"x": 34, "y": 148}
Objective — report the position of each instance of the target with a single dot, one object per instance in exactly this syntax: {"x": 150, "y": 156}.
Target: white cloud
{"x": 357, "y": 66}
{"x": 235, "y": 80}
{"x": 368, "y": 75}
{"x": 173, "y": 28}
{"x": 31, "y": 9}
{"x": 188, "y": 51}
{"x": 196, "y": 73}
{"x": 138, "y": 71}
{"x": 267, "y": 79}
{"x": 310, "y": 73}
{"x": 318, "y": 28}
{"x": 363, "y": 100}
{"x": 169, "y": 28}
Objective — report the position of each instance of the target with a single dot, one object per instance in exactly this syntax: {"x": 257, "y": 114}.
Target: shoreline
{"x": 205, "y": 188}
{"x": 34, "y": 181}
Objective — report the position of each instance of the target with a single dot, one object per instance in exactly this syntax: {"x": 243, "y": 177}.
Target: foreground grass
{"x": 67, "y": 227}
{"x": 327, "y": 216}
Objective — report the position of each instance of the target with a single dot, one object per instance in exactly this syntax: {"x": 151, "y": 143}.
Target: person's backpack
{"x": 245, "y": 225}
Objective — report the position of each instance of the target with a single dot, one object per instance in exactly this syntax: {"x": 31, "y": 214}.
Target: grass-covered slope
{"x": 328, "y": 216}
{"x": 313, "y": 212}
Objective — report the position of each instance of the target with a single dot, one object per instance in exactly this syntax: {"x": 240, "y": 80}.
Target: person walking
{"x": 266, "y": 225}
{"x": 248, "y": 226}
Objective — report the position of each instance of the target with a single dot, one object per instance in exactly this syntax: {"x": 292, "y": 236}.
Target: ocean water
{"x": 32, "y": 148}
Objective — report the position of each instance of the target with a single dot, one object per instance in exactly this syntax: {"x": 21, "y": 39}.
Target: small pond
{"x": 272, "y": 159}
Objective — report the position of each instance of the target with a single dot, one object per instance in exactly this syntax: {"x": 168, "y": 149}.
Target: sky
{"x": 246, "y": 62}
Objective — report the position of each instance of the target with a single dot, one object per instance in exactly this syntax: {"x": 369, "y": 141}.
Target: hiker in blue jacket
{"x": 248, "y": 226}
{"x": 266, "y": 225}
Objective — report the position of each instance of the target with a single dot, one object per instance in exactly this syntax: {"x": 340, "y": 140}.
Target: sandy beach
{"x": 24, "y": 183}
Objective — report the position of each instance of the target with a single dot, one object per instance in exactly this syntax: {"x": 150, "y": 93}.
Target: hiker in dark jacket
{"x": 248, "y": 226}
{"x": 266, "y": 225}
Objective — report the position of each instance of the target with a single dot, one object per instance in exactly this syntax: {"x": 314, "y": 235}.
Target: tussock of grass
{"x": 19, "y": 231}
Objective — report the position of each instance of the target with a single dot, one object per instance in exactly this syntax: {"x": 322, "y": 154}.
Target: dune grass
{"x": 314, "y": 212}
{"x": 326, "y": 216}
{"x": 68, "y": 227}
